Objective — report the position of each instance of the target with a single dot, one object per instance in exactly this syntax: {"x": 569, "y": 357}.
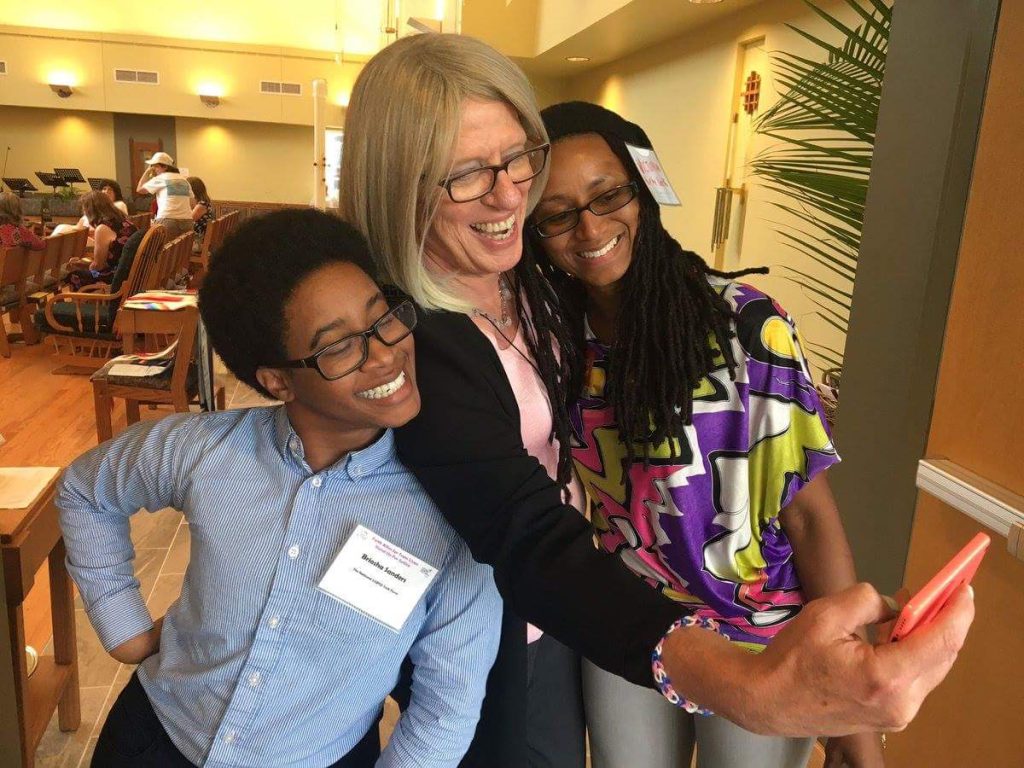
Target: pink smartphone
{"x": 922, "y": 607}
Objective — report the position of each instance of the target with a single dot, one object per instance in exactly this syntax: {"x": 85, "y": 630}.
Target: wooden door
{"x": 140, "y": 152}
{"x": 974, "y": 718}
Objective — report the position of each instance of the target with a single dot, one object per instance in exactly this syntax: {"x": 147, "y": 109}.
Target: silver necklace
{"x": 505, "y": 297}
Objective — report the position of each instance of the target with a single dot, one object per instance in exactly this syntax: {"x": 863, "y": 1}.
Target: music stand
{"x": 96, "y": 184}
{"x": 71, "y": 176}
{"x": 51, "y": 180}
{"x": 19, "y": 185}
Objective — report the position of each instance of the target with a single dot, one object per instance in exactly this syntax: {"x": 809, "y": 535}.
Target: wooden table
{"x": 27, "y": 538}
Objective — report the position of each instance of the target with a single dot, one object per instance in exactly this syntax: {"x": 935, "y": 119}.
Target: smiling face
{"x": 483, "y": 236}
{"x": 331, "y": 303}
{"x": 600, "y": 248}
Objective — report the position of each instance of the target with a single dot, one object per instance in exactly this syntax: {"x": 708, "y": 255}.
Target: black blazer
{"x": 465, "y": 448}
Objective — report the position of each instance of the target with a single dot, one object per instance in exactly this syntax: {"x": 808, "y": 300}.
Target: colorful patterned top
{"x": 703, "y": 526}
{"x": 77, "y": 278}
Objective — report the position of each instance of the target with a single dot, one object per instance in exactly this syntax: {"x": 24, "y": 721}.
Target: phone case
{"x": 922, "y": 607}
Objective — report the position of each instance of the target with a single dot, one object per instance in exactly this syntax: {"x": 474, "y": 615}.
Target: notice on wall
{"x": 647, "y": 162}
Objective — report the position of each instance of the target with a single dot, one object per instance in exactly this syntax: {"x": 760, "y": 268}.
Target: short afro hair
{"x": 255, "y": 271}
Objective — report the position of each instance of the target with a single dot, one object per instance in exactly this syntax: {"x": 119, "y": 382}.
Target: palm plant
{"x": 823, "y": 128}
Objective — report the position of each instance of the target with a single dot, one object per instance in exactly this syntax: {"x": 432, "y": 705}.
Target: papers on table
{"x": 20, "y": 486}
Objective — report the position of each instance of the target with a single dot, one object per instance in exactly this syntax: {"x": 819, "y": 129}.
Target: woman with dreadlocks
{"x": 698, "y": 436}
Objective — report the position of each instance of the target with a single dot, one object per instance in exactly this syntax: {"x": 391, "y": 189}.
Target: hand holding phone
{"x": 923, "y": 606}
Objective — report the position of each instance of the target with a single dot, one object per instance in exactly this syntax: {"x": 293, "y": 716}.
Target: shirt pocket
{"x": 344, "y": 622}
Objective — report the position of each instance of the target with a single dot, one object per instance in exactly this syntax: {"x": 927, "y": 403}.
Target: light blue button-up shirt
{"x": 257, "y": 667}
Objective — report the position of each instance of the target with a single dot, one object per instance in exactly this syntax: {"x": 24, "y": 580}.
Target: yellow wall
{"x": 43, "y": 139}
{"x": 238, "y": 160}
{"x": 681, "y": 93}
{"x": 186, "y": 68}
{"x": 248, "y": 161}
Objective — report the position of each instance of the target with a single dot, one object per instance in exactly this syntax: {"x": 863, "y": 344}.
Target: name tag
{"x": 377, "y": 578}
{"x": 654, "y": 175}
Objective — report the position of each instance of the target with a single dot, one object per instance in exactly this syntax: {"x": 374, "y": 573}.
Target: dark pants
{"x": 555, "y": 725}
{"x": 133, "y": 736}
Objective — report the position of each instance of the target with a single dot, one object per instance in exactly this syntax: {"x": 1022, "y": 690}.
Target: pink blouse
{"x": 535, "y": 420}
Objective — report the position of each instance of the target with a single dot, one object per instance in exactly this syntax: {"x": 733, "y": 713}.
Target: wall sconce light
{"x": 704, "y": 2}
{"x": 209, "y": 100}
{"x": 62, "y": 89}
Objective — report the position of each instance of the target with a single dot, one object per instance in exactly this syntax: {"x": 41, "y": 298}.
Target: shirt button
{"x": 274, "y": 621}
{"x": 317, "y": 482}
{"x": 254, "y": 679}
{"x": 293, "y": 551}
{"x": 230, "y": 737}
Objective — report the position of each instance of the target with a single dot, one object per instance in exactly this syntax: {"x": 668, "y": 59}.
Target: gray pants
{"x": 175, "y": 227}
{"x": 635, "y": 727}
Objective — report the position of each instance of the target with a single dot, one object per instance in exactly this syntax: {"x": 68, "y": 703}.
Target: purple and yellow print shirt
{"x": 701, "y": 523}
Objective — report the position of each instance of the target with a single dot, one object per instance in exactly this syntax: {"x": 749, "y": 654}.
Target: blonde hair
{"x": 401, "y": 131}
{"x": 10, "y": 209}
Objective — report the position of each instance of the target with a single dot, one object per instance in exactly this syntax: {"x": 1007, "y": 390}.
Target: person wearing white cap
{"x": 173, "y": 194}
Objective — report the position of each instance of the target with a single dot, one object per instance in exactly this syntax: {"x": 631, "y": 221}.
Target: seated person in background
{"x": 112, "y": 230}
{"x": 13, "y": 232}
{"x": 111, "y": 189}
{"x": 254, "y": 665}
{"x": 173, "y": 194}
{"x": 202, "y": 212}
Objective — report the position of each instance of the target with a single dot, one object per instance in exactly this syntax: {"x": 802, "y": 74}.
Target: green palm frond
{"x": 823, "y": 133}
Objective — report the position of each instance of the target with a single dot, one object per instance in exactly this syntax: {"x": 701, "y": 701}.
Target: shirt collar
{"x": 357, "y": 464}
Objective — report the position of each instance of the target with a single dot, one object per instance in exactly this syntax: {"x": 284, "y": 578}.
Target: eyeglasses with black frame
{"x": 346, "y": 355}
{"x": 605, "y": 203}
{"x": 474, "y": 184}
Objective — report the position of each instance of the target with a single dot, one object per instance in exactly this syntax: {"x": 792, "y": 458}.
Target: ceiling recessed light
{"x": 577, "y": 59}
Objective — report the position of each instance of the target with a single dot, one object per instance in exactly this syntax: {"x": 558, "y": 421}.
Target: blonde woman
{"x": 440, "y": 170}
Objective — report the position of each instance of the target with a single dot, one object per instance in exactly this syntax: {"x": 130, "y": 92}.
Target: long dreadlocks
{"x": 556, "y": 368}
{"x": 672, "y": 323}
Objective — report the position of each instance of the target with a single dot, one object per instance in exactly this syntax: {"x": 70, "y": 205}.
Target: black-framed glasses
{"x": 602, "y": 205}
{"x": 348, "y": 354}
{"x": 472, "y": 185}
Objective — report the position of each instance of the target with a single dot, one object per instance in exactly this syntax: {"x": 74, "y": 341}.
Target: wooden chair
{"x": 13, "y": 273}
{"x": 141, "y": 220}
{"x": 200, "y": 262}
{"x": 178, "y": 387}
{"x": 170, "y": 264}
{"x": 82, "y": 324}
{"x": 216, "y": 231}
{"x": 47, "y": 278}
{"x": 230, "y": 222}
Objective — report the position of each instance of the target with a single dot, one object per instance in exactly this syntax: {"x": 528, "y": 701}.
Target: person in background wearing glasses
{"x": 698, "y": 385}
{"x": 317, "y": 561}
{"x": 433, "y": 175}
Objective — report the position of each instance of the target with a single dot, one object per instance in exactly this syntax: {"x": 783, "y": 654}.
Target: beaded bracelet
{"x": 658, "y": 667}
